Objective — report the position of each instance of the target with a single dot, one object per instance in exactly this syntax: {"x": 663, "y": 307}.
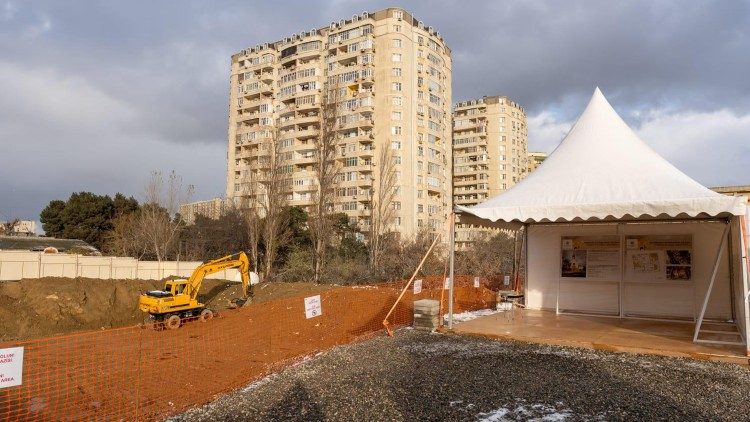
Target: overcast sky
{"x": 95, "y": 95}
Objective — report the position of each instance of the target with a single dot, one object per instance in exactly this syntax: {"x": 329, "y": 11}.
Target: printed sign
{"x": 660, "y": 258}
{"x": 11, "y": 367}
{"x": 312, "y": 307}
{"x": 506, "y": 280}
{"x": 447, "y": 283}
{"x": 476, "y": 282}
{"x": 591, "y": 257}
{"x": 418, "y": 286}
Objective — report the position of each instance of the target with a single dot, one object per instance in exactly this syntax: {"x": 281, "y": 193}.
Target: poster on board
{"x": 659, "y": 258}
{"x": 591, "y": 257}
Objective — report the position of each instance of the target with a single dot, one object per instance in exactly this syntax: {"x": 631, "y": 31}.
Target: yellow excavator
{"x": 179, "y": 299}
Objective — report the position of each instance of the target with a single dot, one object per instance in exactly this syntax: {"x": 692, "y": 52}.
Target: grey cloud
{"x": 147, "y": 82}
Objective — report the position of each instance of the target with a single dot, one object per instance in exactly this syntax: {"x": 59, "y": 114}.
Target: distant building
{"x": 490, "y": 153}
{"x": 21, "y": 228}
{"x": 739, "y": 190}
{"x": 535, "y": 160}
{"x": 212, "y": 208}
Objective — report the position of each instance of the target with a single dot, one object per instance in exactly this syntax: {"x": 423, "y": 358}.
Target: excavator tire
{"x": 205, "y": 315}
{"x": 173, "y": 322}
{"x": 154, "y": 324}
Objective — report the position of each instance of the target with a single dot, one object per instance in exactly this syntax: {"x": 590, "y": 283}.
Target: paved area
{"x": 421, "y": 376}
{"x": 614, "y": 334}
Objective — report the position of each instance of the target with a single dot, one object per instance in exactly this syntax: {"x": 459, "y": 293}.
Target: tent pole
{"x": 525, "y": 252}
{"x": 745, "y": 263}
{"x": 722, "y": 248}
{"x": 453, "y": 253}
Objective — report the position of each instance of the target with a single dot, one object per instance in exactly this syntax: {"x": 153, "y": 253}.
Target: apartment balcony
{"x": 307, "y": 133}
{"x": 366, "y": 152}
{"x": 466, "y": 182}
{"x": 466, "y": 202}
{"x": 305, "y": 118}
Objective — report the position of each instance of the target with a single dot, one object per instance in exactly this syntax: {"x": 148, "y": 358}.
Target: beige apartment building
{"x": 212, "y": 208}
{"x": 490, "y": 139}
{"x": 394, "y": 72}
{"x": 535, "y": 160}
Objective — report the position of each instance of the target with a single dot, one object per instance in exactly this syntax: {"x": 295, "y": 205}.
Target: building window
{"x": 396, "y": 57}
{"x": 420, "y": 208}
{"x": 396, "y": 144}
{"x": 396, "y": 86}
{"x": 420, "y": 151}
{"x": 396, "y": 159}
{"x": 398, "y": 14}
{"x": 396, "y": 115}
{"x": 397, "y": 101}
{"x": 397, "y": 43}
{"x": 396, "y": 71}
{"x": 395, "y": 130}
{"x": 397, "y": 28}
{"x": 350, "y": 162}
{"x": 397, "y": 221}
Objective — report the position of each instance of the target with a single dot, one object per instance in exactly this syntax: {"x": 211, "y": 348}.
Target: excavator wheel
{"x": 172, "y": 322}
{"x": 154, "y": 324}
{"x": 205, "y": 315}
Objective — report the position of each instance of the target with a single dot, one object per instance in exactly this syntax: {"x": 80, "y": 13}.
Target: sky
{"x": 96, "y": 95}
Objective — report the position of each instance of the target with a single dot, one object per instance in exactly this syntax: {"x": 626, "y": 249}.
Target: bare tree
{"x": 7, "y": 227}
{"x": 326, "y": 170}
{"x": 273, "y": 199}
{"x": 383, "y": 212}
{"x": 125, "y": 238}
{"x": 158, "y": 222}
{"x": 251, "y": 210}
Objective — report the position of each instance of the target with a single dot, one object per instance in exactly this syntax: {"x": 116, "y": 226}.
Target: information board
{"x": 417, "y": 286}
{"x": 11, "y": 367}
{"x": 659, "y": 258}
{"x": 591, "y": 257}
{"x": 313, "y": 307}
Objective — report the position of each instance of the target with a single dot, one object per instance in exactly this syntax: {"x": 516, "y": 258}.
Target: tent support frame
{"x": 717, "y": 263}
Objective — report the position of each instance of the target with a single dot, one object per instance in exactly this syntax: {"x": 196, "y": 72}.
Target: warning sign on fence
{"x": 11, "y": 367}
{"x": 476, "y": 282}
{"x": 447, "y": 283}
{"x": 506, "y": 280}
{"x": 313, "y": 307}
{"x": 417, "y": 286}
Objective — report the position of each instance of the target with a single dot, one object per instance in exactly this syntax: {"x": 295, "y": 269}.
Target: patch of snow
{"x": 533, "y": 412}
{"x": 469, "y": 315}
{"x": 255, "y": 384}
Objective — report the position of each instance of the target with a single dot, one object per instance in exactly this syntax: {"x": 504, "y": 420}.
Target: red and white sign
{"x": 417, "y": 286}
{"x": 11, "y": 367}
{"x": 447, "y": 283}
{"x": 476, "y": 282}
{"x": 313, "y": 307}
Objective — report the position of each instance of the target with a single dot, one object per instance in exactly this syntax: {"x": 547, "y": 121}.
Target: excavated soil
{"x": 48, "y": 306}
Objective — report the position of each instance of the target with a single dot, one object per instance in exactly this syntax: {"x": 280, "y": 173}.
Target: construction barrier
{"x": 135, "y": 373}
{"x": 17, "y": 265}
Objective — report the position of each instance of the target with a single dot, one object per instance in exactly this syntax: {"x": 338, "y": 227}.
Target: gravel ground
{"x": 421, "y": 376}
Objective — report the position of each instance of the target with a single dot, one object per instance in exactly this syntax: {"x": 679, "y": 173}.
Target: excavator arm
{"x": 238, "y": 260}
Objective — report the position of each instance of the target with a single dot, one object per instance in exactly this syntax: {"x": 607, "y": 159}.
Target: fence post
{"x": 39, "y": 269}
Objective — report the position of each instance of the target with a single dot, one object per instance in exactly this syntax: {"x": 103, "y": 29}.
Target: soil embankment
{"x": 49, "y": 306}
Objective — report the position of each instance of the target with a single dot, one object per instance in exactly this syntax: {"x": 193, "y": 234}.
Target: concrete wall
{"x": 15, "y": 265}
{"x": 663, "y": 299}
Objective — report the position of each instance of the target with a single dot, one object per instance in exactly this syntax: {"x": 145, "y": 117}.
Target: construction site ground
{"x": 423, "y": 376}
{"x": 48, "y": 306}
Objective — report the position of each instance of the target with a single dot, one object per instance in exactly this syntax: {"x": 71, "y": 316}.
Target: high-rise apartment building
{"x": 490, "y": 141}
{"x": 392, "y": 77}
{"x": 535, "y": 160}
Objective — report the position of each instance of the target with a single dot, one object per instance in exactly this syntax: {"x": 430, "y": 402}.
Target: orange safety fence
{"x": 134, "y": 373}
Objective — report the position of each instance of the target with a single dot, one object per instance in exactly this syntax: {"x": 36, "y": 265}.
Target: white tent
{"x": 600, "y": 217}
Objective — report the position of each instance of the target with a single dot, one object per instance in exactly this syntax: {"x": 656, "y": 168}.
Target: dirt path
{"x": 49, "y": 306}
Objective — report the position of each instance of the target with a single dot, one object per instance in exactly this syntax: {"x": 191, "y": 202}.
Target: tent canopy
{"x": 603, "y": 171}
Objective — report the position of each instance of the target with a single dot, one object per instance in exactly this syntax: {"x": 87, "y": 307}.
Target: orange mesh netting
{"x": 137, "y": 373}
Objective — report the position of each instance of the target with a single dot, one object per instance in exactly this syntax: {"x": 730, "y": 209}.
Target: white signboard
{"x": 418, "y": 286}
{"x": 506, "y": 280}
{"x": 11, "y": 367}
{"x": 313, "y": 307}
{"x": 447, "y": 283}
{"x": 476, "y": 282}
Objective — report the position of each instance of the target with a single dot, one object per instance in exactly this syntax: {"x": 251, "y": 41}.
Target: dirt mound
{"x": 49, "y": 306}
